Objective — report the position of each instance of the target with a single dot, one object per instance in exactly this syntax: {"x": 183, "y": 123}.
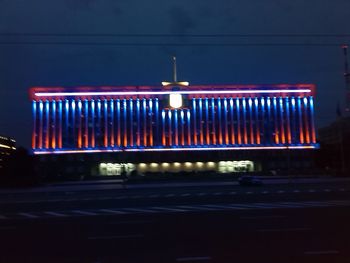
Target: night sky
{"x": 93, "y": 64}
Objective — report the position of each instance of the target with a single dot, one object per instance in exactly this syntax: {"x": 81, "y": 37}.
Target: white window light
{"x": 175, "y": 100}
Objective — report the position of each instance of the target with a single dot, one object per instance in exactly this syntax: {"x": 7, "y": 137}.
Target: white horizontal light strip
{"x": 177, "y": 149}
{"x": 5, "y": 146}
{"x": 121, "y": 93}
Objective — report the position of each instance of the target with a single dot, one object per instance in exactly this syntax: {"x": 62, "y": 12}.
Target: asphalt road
{"x": 213, "y": 223}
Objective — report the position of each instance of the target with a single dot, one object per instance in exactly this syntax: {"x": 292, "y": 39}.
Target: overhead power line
{"x": 133, "y": 44}
{"x": 14, "y": 34}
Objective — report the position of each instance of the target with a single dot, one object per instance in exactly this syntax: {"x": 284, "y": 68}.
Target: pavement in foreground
{"x": 298, "y": 222}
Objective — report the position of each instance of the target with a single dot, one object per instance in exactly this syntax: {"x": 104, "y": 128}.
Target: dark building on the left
{"x": 7, "y": 147}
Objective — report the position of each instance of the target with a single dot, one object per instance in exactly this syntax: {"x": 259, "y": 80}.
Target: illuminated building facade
{"x": 172, "y": 119}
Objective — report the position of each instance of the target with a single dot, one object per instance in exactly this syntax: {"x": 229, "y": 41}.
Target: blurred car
{"x": 248, "y": 180}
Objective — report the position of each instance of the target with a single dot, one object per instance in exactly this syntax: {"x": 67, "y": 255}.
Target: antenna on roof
{"x": 175, "y": 82}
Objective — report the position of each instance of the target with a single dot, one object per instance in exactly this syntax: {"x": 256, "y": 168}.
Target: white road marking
{"x": 284, "y": 229}
{"x": 201, "y": 194}
{"x": 140, "y": 210}
{"x": 84, "y": 213}
{"x": 169, "y": 195}
{"x": 280, "y": 192}
{"x": 169, "y": 209}
{"x": 218, "y": 193}
{"x": 311, "y": 190}
{"x": 326, "y": 190}
{"x": 321, "y": 252}
{"x": 28, "y": 215}
{"x": 55, "y": 214}
{"x": 115, "y": 237}
{"x": 232, "y": 193}
{"x": 205, "y": 258}
{"x": 265, "y": 192}
{"x": 296, "y": 191}
{"x": 185, "y": 194}
{"x": 120, "y": 197}
{"x": 249, "y": 193}
{"x": 202, "y": 208}
{"x": 112, "y": 211}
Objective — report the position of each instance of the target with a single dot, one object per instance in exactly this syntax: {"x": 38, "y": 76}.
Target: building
{"x": 173, "y": 128}
{"x": 334, "y": 154}
{"x": 7, "y": 147}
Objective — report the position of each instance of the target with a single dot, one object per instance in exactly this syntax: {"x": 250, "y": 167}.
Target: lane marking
{"x": 296, "y": 191}
{"x": 218, "y": 193}
{"x": 112, "y": 211}
{"x": 204, "y": 258}
{"x": 284, "y": 229}
{"x": 120, "y": 197}
{"x": 115, "y": 237}
{"x": 169, "y": 195}
{"x": 201, "y": 194}
{"x": 327, "y": 190}
{"x": 168, "y": 209}
{"x": 232, "y": 193}
{"x": 140, "y": 210}
{"x": 84, "y": 213}
{"x": 321, "y": 252}
{"x": 280, "y": 192}
{"x": 311, "y": 190}
{"x": 55, "y": 214}
{"x": 185, "y": 194}
{"x": 265, "y": 192}
{"x": 202, "y": 208}
{"x": 28, "y": 215}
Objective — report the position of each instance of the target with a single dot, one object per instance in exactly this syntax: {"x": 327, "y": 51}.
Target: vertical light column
{"x": 257, "y": 122}
{"x": 60, "y": 124}
{"x": 34, "y": 125}
{"x": 131, "y": 111}
{"x": 277, "y": 141}
{"x": 232, "y": 127}
{"x": 200, "y": 108}
{"x": 293, "y": 120}
{"x": 119, "y": 123}
{"x": 245, "y": 133}
{"x": 300, "y": 118}
{"x": 219, "y": 113}
{"x": 163, "y": 128}
{"x": 157, "y": 122}
{"x": 67, "y": 133}
{"x": 269, "y": 128}
{"x": 226, "y": 121}
{"x": 213, "y": 120}
{"x": 53, "y": 135}
{"x": 263, "y": 121}
{"x": 289, "y": 137}
{"x": 251, "y": 130}
{"x": 182, "y": 115}
{"x": 207, "y": 132}
{"x": 138, "y": 139}
{"x": 306, "y": 121}
{"x": 125, "y": 135}
{"x": 194, "y": 111}
{"x": 41, "y": 124}
{"x": 176, "y": 128}
{"x": 105, "y": 111}
{"x": 313, "y": 133}
{"x": 92, "y": 123}
{"x": 170, "y": 132}
{"x": 47, "y": 125}
{"x": 150, "y": 112}
{"x": 86, "y": 116}
{"x": 144, "y": 110}
{"x": 112, "y": 136}
{"x": 99, "y": 124}
{"x": 238, "y": 110}
{"x": 188, "y": 127}
{"x": 282, "y": 130}
{"x": 80, "y": 124}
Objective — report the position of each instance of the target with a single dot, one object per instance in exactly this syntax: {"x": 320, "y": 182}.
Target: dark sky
{"x": 23, "y": 65}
